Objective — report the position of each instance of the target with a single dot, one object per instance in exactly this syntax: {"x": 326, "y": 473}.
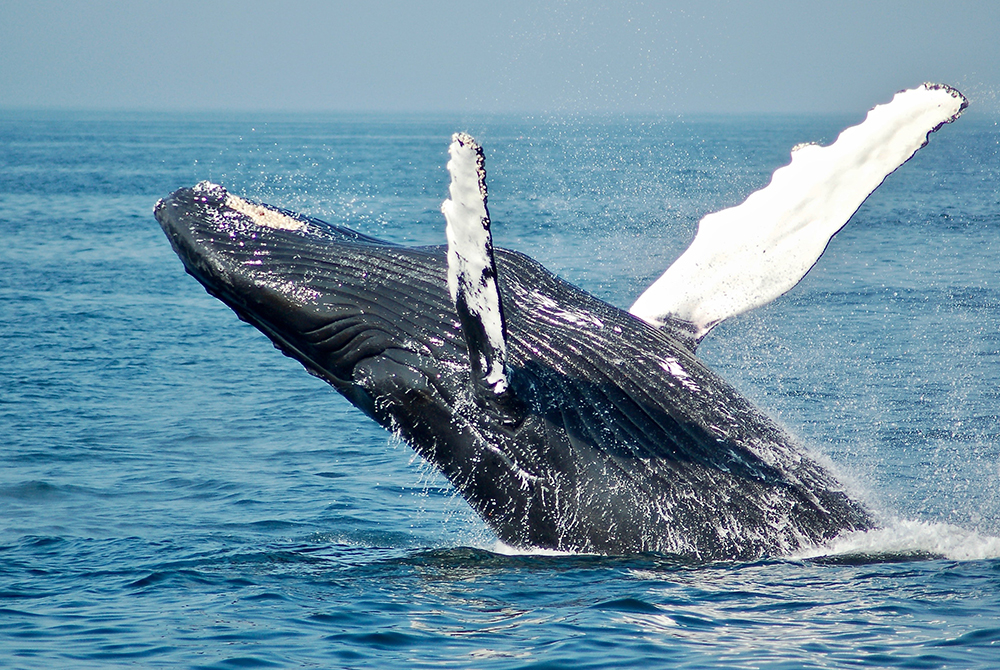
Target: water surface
{"x": 176, "y": 493}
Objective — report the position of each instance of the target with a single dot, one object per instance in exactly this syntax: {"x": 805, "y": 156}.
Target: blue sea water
{"x": 176, "y": 493}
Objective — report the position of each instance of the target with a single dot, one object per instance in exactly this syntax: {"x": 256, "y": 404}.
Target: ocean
{"x": 176, "y": 493}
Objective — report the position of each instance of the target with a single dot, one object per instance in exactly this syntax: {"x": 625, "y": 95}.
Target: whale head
{"x": 356, "y": 311}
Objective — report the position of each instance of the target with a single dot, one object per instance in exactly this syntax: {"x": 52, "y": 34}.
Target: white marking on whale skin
{"x": 471, "y": 270}
{"x": 263, "y": 216}
{"x": 673, "y": 367}
{"x": 237, "y": 208}
{"x": 574, "y": 317}
{"x": 746, "y": 256}
{"x": 298, "y": 294}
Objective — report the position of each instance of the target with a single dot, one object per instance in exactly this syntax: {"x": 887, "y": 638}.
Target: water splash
{"x": 902, "y": 538}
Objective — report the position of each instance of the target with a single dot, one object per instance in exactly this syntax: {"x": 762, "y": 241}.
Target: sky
{"x": 521, "y": 56}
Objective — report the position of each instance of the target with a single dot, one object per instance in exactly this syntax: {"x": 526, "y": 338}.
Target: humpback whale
{"x": 565, "y": 422}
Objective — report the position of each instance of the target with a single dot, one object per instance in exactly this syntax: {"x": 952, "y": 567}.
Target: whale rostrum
{"x": 565, "y": 422}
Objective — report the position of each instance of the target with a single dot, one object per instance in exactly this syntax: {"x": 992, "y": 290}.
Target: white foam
{"x": 505, "y": 549}
{"x": 911, "y": 537}
{"x": 899, "y": 538}
{"x": 746, "y": 256}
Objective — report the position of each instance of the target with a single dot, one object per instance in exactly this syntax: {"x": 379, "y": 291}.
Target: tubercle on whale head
{"x": 259, "y": 214}
{"x": 263, "y": 216}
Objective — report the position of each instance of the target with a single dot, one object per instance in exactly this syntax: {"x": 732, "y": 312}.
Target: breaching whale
{"x": 565, "y": 422}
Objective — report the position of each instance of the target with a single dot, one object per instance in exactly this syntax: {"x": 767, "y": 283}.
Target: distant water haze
{"x": 520, "y": 56}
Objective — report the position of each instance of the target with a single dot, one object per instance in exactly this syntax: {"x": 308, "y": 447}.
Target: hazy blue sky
{"x": 704, "y": 55}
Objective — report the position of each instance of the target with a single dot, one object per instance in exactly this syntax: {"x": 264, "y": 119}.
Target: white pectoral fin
{"x": 746, "y": 256}
{"x": 472, "y": 274}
